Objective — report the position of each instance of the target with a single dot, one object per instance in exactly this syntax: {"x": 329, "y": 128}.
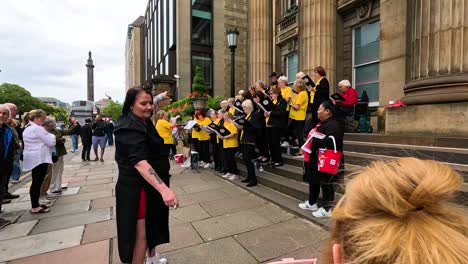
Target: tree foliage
{"x": 22, "y": 98}
{"x": 114, "y": 110}
{"x": 198, "y": 85}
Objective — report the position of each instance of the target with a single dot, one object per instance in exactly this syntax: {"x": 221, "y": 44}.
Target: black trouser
{"x": 173, "y": 149}
{"x": 248, "y": 152}
{"x": 3, "y": 178}
{"x": 38, "y": 174}
{"x": 217, "y": 156}
{"x": 261, "y": 142}
{"x": 110, "y": 139}
{"x": 86, "y": 150}
{"x": 230, "y": 160}
{"x": 296, "y": 128}
{"x": 327, "y": 183}
{"x": 204, "y": 150}
{"x": 273, "y": 137}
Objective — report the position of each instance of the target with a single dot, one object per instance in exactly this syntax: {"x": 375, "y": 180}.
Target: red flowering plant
{"x": 198, "y": 87}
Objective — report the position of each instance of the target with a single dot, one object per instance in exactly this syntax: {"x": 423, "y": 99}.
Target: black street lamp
{"x": 232, "y": 36}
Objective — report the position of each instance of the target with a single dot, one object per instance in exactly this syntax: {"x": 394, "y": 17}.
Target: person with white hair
{"x": 349, "y": 94}
{"x": 224, "y": 105}
{"x": 241, "y": 92}
{"x": 247, "y": 139}
{"x": 286, "y": 93}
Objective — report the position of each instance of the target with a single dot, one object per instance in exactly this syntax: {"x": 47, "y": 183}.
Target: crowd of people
{"x": 266, "y": 118}
{"x": 36, "y": 145}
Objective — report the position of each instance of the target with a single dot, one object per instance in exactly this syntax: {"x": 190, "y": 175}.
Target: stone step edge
{"x": 406, "y": 146}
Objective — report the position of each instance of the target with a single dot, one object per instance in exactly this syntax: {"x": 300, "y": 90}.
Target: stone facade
{"x": 133, "y": 56}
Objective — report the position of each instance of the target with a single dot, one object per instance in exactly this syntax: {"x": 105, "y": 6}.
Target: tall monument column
{"x": 439, "y": 53}
{"x": 260, "y": 40}
{"x": 318, "y": 37}
{"x": 90, "y": 82}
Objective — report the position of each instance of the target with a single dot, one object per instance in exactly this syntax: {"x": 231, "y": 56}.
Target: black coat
{"x": 249, "y": 132}
{"x": 7, "y": 153}
{"x": 86, "y": 134}
{"x": 322, "y": 93}
{"x": 278, "y": 114}
{"x": 138, "y": 140}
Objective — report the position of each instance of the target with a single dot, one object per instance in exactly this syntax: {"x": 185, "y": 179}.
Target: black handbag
{"x": 54, "y": 158}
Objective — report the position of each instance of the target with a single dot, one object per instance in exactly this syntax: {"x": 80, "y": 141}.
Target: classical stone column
{"x": 439, "y": 59}
{"x": 318, "y": 36}
{"x": 260, "y": 40}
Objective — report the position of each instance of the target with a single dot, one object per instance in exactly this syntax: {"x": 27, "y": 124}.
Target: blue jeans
{"x": 16, "y": 172}
{"x": 74, "y": 139}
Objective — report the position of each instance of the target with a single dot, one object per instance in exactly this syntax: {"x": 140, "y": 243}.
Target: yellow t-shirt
{"x": 164, "y": 129}
{"x": 232, "y": 142}
{"x": 312, "y": 94}
{"x": 216, "y": 122}
{"x": 301, "y": 100}
{"x": 268, "y": 118}
{"x": 201, "y": 135}
{"x": 232, "y": 110}
{"x": 285, "y": 93}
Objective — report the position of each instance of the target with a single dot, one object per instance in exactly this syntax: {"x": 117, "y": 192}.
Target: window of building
{"x": 164, "y": 25}
{"x": 292, "y": 66}
{"x": 202, "y": 22}
{"x": 171, "y": 23}
{"x": 206, "y": 63}
{"x": 366, "y": 54}
{"x": 290, "y": 3}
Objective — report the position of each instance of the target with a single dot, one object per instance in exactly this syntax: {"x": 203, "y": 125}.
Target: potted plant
{"x": 199, "y": 94}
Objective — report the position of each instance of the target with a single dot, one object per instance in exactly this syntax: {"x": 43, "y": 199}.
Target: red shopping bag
{"x": 329, "y": 160}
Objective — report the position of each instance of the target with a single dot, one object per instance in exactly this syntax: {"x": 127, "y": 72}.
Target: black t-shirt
{"x": 99, "y": 128}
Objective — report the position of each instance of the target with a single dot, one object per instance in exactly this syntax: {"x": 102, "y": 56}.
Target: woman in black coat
{"x": 247, "y": 140}
{"x": 258, "y": 121}
{"x": 142, "y": 191}
{"x": 322, "y": 92}
{"x": 275, "y": 123}
{"x": 329, "y": 125}
{"x": 86, "y": 135}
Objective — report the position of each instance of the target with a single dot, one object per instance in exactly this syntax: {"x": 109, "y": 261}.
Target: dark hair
{"x": 200, "y": 112}
{"x": 260, "y": 95}
{"x": 276, "y": 90}
{"x": 320, "y": 70}
{"x": 328, "y": 105}
{"x": 130, "y": 98}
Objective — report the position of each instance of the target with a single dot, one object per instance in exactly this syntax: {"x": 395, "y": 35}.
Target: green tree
{"x": 198, "y": 82}
{"x": 114, "y": 110}
{"x": 25, "y": 102}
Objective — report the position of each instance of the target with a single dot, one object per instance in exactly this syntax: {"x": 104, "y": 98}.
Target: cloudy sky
{"x": 44, "y": 45}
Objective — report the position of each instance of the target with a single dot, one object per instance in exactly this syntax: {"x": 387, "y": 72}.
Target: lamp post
{"x": 232, "y": 36}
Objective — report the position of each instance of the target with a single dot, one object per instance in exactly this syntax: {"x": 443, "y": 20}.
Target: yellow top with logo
{"x": 286, "y": 92}
{"x": 268, "y": 118}
{"x": 232, "y": 142}
{"x": 201, "y": 135}
{"x": 301, "y": 100}
{"x": 164, "y": 129}
{"x": 232, "y": 110}
{"x": 216, "y": 122}
{"x": 312, "y": 94}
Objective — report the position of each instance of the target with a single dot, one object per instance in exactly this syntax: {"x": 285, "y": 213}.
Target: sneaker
{"x": 207, "y": 165}
{"x": 59, "y": 192}
{"x": 285, "y": 144}
{"x": 155, "y": 260}
{"x": 321, "y": 212}
{"x": 15, "y": 182}
{"x": 227, "y": 175}
{"x": 306, "y": 206}
{"x": 233, "y": 177}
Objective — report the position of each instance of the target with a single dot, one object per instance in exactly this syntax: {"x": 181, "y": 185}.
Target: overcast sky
{"x": 44, "y": 45}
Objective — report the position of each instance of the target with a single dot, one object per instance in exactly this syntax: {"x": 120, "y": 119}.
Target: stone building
{"x": 133, "y": 58}
{"x": 179, "y": 35}
{"x": 415, "y": 51}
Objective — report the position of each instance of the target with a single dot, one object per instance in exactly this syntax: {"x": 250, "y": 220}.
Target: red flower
{"x": 189, "y": 95}
{"x": 205, "y": 94}
{"x": 195, "y": 94}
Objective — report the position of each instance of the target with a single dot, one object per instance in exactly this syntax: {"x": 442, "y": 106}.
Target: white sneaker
{"x": 227, "y": 175}
{"x": 285, "y": 144}
{"x": 321, "y": 212}
{"x": 233, "y": 177}
{"x": 306, "y": 206}
{"x": 207, "y": 165}
{"x": 155, "y": 260}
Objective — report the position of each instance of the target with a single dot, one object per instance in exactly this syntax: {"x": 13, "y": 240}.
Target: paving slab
{"x": 230, "y": 205}
{"x": 17, "y": 230}
{"x": 22, "y": 190}
{"x": 173, "y": 221}
{"x": 58, "y": 210}
{"x": 189, "y": 213}
{"x": 66, "y": 221}
{"x": 205, "y": 186}
{"x": 183, "y": 235}
{"x": 103, "y": 203}
{"x": 194, "y": 198}
{"x": 235, "y": 191}
{"x": 273, "y": 213}
{"x": 95, "y": 253}
{"x": 41, "y": 243}
{"x": 97, "y": 187}
{"x": 99, "y": 181}
{"x": 74, "y": 179}
{"x": 309, "y": 252}
{"x": 177, "y": 190}
{"x": 230, "y": 224}
{"x": 115, "y": 252}
{"x": 19, "y": 206}
{"x": 279, "y": 239}
{"x": 99, "y": 231}
{"x": 100, "y": 176}
{"x": 223, "y": 251}
{"x": 12, "y": 216}
{"x": 83, "y": 197}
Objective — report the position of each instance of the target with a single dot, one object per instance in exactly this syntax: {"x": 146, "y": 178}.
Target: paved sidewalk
{"x": 218, "y": 222}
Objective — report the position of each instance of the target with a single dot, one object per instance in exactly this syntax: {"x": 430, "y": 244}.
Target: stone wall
{"x": 428, "y": 120}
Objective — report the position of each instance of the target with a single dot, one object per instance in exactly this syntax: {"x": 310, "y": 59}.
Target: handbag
{"x": 329, "y": 160}
{"x": 54, "y": 158}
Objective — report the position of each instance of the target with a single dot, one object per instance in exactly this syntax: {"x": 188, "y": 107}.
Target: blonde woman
{"x": 164, "y": 128}
{"x": 297, "y": 115}
{"x": 399, "y": 212}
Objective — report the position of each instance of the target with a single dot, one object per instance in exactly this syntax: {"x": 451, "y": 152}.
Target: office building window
{"x": 206, "y": 63}
{"x": 292, "y": 65}
{"x": 202, "y": 22}
{"x": 366, "y": 54}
